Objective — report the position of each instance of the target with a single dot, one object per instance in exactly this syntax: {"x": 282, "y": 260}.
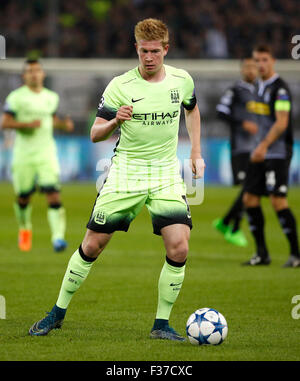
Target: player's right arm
{"x": 8, "y": 121}
{"x": 10, "y": 111}
{"x": 224, "y": 107}
{"x": 111, "y": 112}
{"x": 103, "y": 129}
{"x": 225, "y": 112}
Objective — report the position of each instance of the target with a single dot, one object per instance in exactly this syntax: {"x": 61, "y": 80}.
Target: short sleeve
{"x": 282, "y": 100}
{"x": 55, "y": 103}
{"x": 11, "y": 104}
{"x": 225, "y": 104}
{"x": 189, "y": 100}
{"x": 110, "y": 101}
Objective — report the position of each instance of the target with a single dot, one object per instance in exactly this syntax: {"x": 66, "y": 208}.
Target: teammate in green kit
{"x": 30, "y": 111}
{"x": 145, "y": 103}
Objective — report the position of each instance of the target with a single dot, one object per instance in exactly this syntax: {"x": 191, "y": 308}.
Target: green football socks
{"x": 77, "y": 271}
{"x": 57, "y": 222}
{"x": 169, "y": 285}
{"x": 23, "y": 215}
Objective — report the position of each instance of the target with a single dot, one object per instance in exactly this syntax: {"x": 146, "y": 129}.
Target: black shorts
{"x": 239, "y": 165}
{"x": 268, "y": 177}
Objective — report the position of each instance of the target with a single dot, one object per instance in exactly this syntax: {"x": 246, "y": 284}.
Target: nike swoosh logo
{"x": 72, "y": 272}
{"x": 175, "y": 284}
{"x": 136, "y": 100}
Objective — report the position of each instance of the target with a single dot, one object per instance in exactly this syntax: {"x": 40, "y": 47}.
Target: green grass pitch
{"x": 111, "y": 315}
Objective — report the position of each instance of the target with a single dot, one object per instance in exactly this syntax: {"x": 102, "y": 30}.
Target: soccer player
{"x": 30, "y": 111}
{"x": 145, "y": 103}
{"x": 236, "y": 108}
{"x": 269, "y": 166}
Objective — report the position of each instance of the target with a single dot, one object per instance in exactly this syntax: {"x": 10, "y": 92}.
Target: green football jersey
{"x": 33, "y": 144}
{"x": 152, "y": 133}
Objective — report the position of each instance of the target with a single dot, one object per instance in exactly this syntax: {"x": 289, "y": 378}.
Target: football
{"x": 206, "y": 326}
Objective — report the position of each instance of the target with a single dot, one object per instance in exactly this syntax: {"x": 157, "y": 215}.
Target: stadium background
{"x": 83, "y": 44}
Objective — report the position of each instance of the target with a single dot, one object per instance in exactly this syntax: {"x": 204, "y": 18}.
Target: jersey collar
{"x": 247, "y": 85}
{"x": 263, "y": 84}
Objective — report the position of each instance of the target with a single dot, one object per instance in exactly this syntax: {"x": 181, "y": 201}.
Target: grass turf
{"x": 111, "y": 315}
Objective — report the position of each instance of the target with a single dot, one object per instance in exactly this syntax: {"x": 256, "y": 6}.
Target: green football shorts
{"x": 42, "y": 174}
{"x": 129, "y": 186}
{"x": 115, "y": 211}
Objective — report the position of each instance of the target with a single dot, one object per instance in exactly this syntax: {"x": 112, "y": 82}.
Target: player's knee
{"x": 23, "y": 201}
{"x": 250, "y": 200}
{"x": 246, "y": 197}
{"x": 94, "y": 243}
{"x": 279, "y": 203}
{"x": 178, "y": 250}
{"x": 91, "y": 248}
{"x": 53, "y": 198}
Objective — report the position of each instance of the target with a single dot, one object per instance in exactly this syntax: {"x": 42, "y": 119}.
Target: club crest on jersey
{"x": 174, "y": 95}
{"x": 100, "y": 218}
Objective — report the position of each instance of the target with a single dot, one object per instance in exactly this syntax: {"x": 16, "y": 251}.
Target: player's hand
{"x": 197, "y": 165}
{"x": 69, "y": 124}
{"x": 34, "y": 124}
{"x": 124, "y": 113}
{"x": 250, "y": 127}
{"x": 259, "y": 154}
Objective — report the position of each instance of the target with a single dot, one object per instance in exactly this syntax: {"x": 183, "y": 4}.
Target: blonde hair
{"x": 152, "y": 30}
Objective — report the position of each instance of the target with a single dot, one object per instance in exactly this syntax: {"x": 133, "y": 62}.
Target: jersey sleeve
{"x": 55, "y": 104}
{"x": 282, "y": 99}
{"x": 110, "y": 101}
{"x": 11, "y": 104}
{"x": 189, "y": 100}
{"x": 224, "y": 107}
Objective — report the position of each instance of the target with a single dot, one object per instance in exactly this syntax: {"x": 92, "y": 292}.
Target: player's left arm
{"x": 65, "y": 124}
{"x": 193, "y": 125}
{"x": 282, "y": 107}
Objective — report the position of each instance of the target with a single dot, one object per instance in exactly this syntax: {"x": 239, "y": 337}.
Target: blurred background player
{"x": 268, "y": 170}
{"x": 236, "y": 108}
{"x": 145, "y": 102}
{"x": 30, "y": 111}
